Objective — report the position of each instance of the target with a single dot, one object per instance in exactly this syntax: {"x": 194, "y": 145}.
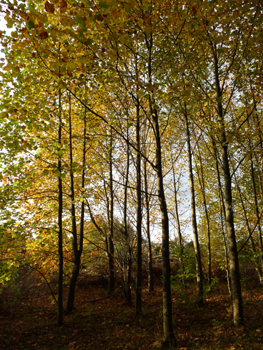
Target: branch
{"x": 251, "y": 232}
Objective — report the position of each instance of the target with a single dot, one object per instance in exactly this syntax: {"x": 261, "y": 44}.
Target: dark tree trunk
{"x": 128, "y": 265}
{"x": 258, "y": 267}
{"x": 111, "y": 285}
{"x": 138, "y": 287}
{"x": 167, "y": 302}
{"x": 257, "y": 213}
{"x": 203, "y": 189}
{"x": 77, "y": 246}
{"x": 233, "y": 255}
{"x": 222, "y": 216}
{"x": 168, "y": 333}
{"x": 180, "y": 239}
{"x": 60, "y": 225}
{"x": 150, "y": 268}
{"x": 199, "y": 273}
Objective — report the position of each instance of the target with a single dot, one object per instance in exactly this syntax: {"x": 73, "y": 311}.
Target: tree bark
{"x": 127, "y": 281}
{"x": 111, "y": 285}
{"x": 258, "y": 267}
{"x": 60, "y": 224}
{"x": 199, "y": 273}
{"x": 138, "y": 287}
{"x": 203, "y": 189}
{"x": 238, "y": 319}
{"x": 77, "y": 246}
{"x": 222, "y": 216}
{"x": 260, "y": 244}
{"x": 180, "y": 238}
{"x": 168, "y": 333}
{"x": 167, "y": 302}
{"x": 150, "y": 268}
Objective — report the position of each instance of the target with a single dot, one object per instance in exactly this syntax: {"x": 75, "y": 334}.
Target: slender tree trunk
{"x": 203, "y": 189}
{"x": 226, "y": 254}
{"x": 60, "y": 224}
{"x": 111, "y": 285}
{"x": 150, "y": 268}
{"x": 256, "y": 212}
{"x": 260, "y": 161}
{"x": 199, "y": 273}
{"x": 180, "y": 238}
{"x": 238, "y": 319}
{"x": 167, "y": 302}
{"x": 222, "y": 216}
{"x": 106, "y": 233}
{"x": 168, "y": 333}
{"x": 234, "y": 264}
{"x": 138, "y": 294}
{"x": 257, "y": 263}
{"x": 76, "y": 266}
{"x": 77, "y": 246}
{"x": 127, "y": 284}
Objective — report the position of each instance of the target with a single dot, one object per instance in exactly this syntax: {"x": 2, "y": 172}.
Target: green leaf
{"x": 89, "y": 41}
{"x": 45, "y": 172}
{"x": 103, "y": 5}
{"x": 30, "y": 24}
{"x": 80, "y": 21}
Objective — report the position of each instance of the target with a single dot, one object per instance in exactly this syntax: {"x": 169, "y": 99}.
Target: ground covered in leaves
{"x": 28, "y": 320}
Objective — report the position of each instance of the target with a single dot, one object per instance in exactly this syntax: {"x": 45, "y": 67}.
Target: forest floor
{"x": 28, "y": 321}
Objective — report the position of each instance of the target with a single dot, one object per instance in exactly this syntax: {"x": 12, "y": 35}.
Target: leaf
{"x": 80, "y": 21}
{"x": 30, "y": 24}
{"x": 103, "y": 5}
{"x": 63, "y": 6}
{"x": 89, "y": 41}
{"x": 24, "y": 15}
{"x": 100, "y": 18}
{"x": 43, "y": 35}
{"x": 45, "y": 172}
{"x": 50, "y": 8}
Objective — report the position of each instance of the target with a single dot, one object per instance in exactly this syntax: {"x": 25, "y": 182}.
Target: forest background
{"x": 106, "y": 108}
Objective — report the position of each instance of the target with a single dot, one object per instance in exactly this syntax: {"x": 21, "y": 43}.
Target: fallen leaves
{"x": 113, "y": 325}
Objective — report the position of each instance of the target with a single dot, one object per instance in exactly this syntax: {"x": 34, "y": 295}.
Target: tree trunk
{"x": 150, "y": 268}
{"x": 203, "y": 189}
{"x": 111, "y": 285}
{"x": 127, "y": 279}
{"x": 222, "y": 216}
{"x": 60, "y": 224}
{"x": 234, "y": 264}
{"x": 138, "y": 287}
{"x": 167, "y": 302}
{"x": 168, "y": 333}
{"x": 72, "y": 283}
{"x": 77, "y": 246}
{"x": 256, "y": 211}
{"x": 180, "y": 239}
{"x": 258, "y": 267}
{"x": 199, "y": 273}
{"x": 233, "y": 255}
